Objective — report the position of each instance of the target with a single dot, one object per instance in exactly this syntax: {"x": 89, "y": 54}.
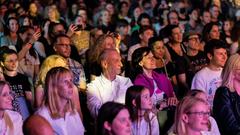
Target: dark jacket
{"x": 226, "y": 111}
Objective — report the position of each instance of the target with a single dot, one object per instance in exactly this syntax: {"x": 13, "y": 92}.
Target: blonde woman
{"x": 49, "y": 63}
{"x": 192, "y": 117}
{"x": 52, "y": 13}
{"x": 58, "y": 106}
{"x": 226, "y": 104}
{"x": 10, "y": 121}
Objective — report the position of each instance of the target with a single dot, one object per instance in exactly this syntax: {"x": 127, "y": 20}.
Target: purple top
{"x": 161, "y": 80}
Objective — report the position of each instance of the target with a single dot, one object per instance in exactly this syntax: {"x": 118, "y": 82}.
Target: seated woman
{"x": 226, "y": 104}
{"x": 160, "y": 87}
{"x": 164, "y": 63}
{"x": 11, "y": 122}
{"x": 139, "y": 103}
{"x": 213, "y": 127}
{"x": 49, "y": 63}
{"x": 113, "y": 119}
{"x": 58, "y": 106}
{"x": 191, "y": 117}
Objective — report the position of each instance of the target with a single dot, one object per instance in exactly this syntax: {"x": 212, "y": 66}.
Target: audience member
{"x": 10, "y": 35}
{"x": 210, "y": 31}
{"x": 164, "y": 62}
{"x": 145, "y": 33}
{"x": 103, "y": 42}
{"x": 213, "y": 127}
{"x": 226, "y": 31}
{"x": 109, "y": 86}
{"x": 193, "y": 61}
{"x": 209, "y": 79}
{"x": 235, "y": 34}
{"x": 191, "y": 25}
{"x": 227, "y": 97}
{"x": 62, "y": 47}
{"x": 158, "y": 84}
{"x": 11, "y": 121}
{"x": 113, "y": 118}
{"x": 58, "y": 106}
{"x": 49, "y": 63}
{"x": 139, "y": 103}
{"x": 191, "y": 117}
{"x": 20, "y": 86}
{"x": 205, "y": 18}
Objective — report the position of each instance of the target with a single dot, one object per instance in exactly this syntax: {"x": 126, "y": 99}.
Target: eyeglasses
{"x": 201, "y": 114}
{"x": 64, "y": 45}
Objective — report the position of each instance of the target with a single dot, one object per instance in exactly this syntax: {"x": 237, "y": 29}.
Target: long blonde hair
{"x": 52, "y": 99}
{"x": 184, "y": 106}
{"x": 6, "y": 117}
{"x": 232, "y": 64}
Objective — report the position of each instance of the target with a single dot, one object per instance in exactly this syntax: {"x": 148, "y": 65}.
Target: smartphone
{"x": 79, "y": 27}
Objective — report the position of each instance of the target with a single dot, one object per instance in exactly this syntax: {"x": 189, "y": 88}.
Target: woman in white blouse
{"x": 58, "y": 107}
{"x": 10, "y": 121}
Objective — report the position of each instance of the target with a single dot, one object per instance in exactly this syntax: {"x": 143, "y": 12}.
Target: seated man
{"x": 208, "y": 79}
{"x": 109, "y": 86}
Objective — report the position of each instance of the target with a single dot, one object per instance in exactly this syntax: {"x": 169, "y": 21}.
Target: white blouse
{"x": 70, "y": 125}
{"x": 14, "y": 118}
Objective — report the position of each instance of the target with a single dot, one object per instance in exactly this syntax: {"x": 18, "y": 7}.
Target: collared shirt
{"x": 102, "y": 90}
{"x": 71, "y": 124}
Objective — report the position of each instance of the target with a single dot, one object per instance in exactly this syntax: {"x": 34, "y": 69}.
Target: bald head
{"x": 106, "y": 54}
{"x": 37, "y": 125}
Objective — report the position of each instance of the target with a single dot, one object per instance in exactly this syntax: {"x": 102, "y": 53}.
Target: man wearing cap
{"x": 193, "y": 61}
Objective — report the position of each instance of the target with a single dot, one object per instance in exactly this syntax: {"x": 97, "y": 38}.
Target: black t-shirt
{"x": 190, "y": 65}
{"x": 19, "y": 84}
{"x": 170, "y": 67}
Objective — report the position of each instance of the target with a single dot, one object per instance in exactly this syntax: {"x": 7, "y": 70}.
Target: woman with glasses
{"x": 226, "y": 104}
{"x": 10, "y": 121}
{"x": 192, "y": 117}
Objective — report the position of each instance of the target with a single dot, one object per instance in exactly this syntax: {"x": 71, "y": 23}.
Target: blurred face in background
{"x": 176, "y": 35}
{"x": 136, "y": 12}
{"x": 110, "y": 7}
{"x": 13, "y": 25}
{"x": 105, "y": 17}
{"x": 33, "y": 8}
{"x": 206, "y": 18}
{"x": 214, "y": 33}
{"x": 83, "y": 13}
{"x": 158, "y": 49}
